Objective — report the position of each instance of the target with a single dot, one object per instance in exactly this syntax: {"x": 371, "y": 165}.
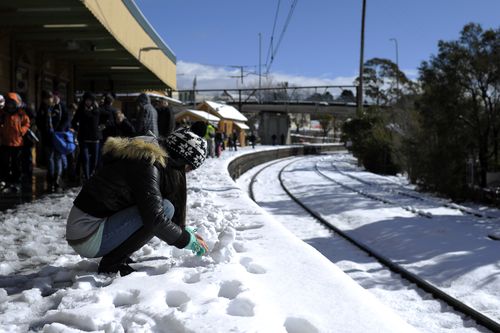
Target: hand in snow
{"x": 202, "y": 242}
{"x": 196, "y": 242}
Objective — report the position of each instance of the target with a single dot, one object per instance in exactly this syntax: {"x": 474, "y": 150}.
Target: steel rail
{"x": 459, "y": 306}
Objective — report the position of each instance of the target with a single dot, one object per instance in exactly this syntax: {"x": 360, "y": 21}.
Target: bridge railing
{"x": 311, "y": 95}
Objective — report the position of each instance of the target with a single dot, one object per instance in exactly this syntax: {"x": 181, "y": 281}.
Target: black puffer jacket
{"x": 135, "y": 172}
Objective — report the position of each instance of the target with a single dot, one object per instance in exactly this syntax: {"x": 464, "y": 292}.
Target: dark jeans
{"x": 89, "y": 153}
{"x": 10, "y": 163}
{"x": 27, "y": 162}
{"x": 54, "y": 164}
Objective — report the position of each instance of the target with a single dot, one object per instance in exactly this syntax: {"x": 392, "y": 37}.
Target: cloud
{"x": 215, "y": 77}
{"x": 411, "y": 73}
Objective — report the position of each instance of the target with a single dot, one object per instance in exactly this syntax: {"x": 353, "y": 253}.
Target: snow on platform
{"x": 258, "y": 277}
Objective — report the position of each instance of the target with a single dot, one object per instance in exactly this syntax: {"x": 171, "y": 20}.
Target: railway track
{"x": 420, "y": 283}
{"x": 399, "y": 190}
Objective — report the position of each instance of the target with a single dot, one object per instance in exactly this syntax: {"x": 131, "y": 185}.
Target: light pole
{"x": 397, "y": 65}
{"x": 361, "y": 60}
{"x": 260, "y": 63}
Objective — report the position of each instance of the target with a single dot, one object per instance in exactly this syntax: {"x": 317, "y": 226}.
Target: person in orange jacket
{"x": 14, "y": 123}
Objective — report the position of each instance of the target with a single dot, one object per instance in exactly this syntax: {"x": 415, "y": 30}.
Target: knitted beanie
{"x": 187, "y": 145}
{"x": 12, "y": 96}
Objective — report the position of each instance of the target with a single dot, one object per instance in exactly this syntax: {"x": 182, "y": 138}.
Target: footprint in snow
{"x": 239, "y": 247}
{"x": 177, "y": 299}
{"x": 252, "y": 267}
{"x": 230, "y": 289}
{"x": 126, "y": 298}
{"x": 191, "y": 278}
{"x": 299, "y": 325}
{"x": 249, "y": 227}
{"x": 241, "y": 307}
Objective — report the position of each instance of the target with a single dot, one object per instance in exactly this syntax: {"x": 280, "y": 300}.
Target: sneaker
{"x": 122, "y": 268}
{"x": 129, "y": 261}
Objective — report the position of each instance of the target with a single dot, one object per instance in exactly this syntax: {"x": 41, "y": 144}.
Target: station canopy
{"x": 104, "y": 41}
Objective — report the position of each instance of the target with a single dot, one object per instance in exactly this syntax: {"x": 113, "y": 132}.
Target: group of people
{"x": 87, "y": 123}
{"x": 135, "y": 172}
{"x": 216, "y": 141}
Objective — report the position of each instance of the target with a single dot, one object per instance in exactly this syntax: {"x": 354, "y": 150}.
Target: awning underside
{"x": 66, "y": 31}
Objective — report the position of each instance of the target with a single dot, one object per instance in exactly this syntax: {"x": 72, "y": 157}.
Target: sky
{"x": 321, "y": 43}
{"x": 259, "y": 260}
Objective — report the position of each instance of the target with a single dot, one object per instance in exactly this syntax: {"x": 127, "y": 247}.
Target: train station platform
{"x": 257, "y": 277}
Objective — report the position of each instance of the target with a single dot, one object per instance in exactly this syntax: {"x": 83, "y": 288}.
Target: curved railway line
{"x": 438, "y": 294}
{"x": 401, "y": 191}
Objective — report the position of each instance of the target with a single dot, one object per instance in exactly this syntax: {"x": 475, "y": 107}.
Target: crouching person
{"x": 140, "y": 192}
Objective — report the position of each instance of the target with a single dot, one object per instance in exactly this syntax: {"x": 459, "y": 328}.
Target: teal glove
{"x": 193, "y": 244}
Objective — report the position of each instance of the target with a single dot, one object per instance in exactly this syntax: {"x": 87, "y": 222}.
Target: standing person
{"x": 252, "y": 139}
{"x": 230, "y": 142}
{"x": 224, "y": 137}
{"x": 219, "y": 141}
{"x": 209, "y": 137}
{"x": 29, "y": 142}
{"x": 107, "y": 118}
{"x": 234, "y": 140}
{"x": 140, "y": 192}
{"x": 72, "y": 158}
{"x": 124, "y": 127}
{"x": 52, "y": 117}
{"x": 86, "y": 123}
{"x": 273, "y": 138}
{"x": 61, "y": 122}
{"x": 14, "y": 123}
{"x": 147, "y": 117}
{"x": 166, "y": 118}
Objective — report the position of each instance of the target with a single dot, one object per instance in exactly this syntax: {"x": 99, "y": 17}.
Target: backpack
{"x": 64, "y": 142}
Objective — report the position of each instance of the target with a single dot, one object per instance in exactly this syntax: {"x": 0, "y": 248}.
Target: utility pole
{"x": 397, "y": 66}
{"x": 361, "y": 61}
{"x": 194, "y": 93}
{"x": 260, "y": 64}
{"x": 241, "y": 74}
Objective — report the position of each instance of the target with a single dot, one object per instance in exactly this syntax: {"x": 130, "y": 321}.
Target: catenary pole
{"x": 361, "y": 60}
{"x": 260, "y": 63}
{"x": 397, "y": 66}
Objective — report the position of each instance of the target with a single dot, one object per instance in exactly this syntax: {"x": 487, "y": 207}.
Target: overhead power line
{"x": 285, "y": 27}
{"x": 270, "y": 49}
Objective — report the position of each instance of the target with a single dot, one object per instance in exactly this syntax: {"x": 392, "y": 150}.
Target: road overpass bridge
{"x": 283, "y": 99}
{"x": 270, "y": 109}
{"x": 341, "y": 111}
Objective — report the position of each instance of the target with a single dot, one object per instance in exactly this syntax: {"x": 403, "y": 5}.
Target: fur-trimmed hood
{"x": 138, "y": 148}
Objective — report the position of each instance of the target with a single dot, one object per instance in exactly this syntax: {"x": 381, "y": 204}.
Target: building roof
{"x": 157, "y": 95}
{"x": 241, "y": 125}
{"x": 198, "y": 114}
{"x": 225, "y": 111}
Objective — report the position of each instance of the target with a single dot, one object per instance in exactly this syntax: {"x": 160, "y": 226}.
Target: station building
{"x": 71, "y": 46}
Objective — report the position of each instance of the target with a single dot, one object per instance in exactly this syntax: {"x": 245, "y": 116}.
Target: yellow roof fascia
{"x": 123, "y": 26}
